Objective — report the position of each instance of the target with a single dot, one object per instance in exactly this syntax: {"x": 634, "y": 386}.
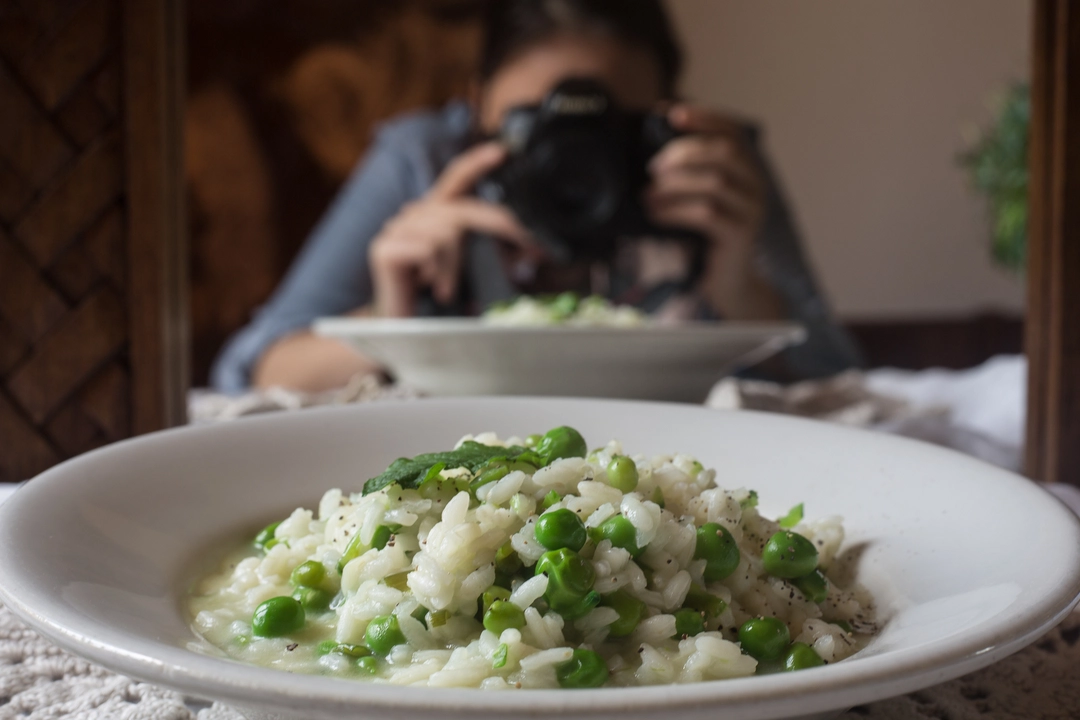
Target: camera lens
{"x": 577, "y": 183}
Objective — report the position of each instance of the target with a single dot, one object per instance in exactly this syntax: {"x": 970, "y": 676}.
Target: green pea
{"x": 277, "y": 616}
{"x": 492, "y": 595}
{"x": 814, "y": 587}
{"x": 533, "y": 440}
{"x": 620, "y": 531}
{"x": 764, "y": 638}
{"x": 630, "y": 610}
{"x": 844, "y": 625}
{"x": 658, "y": 497}
{"x": 622, "y": 474}
{"x": 801, "y": 656}
{"x": 503, "y": 615}
{"x": 550, "y": 499}
{"x": 789, "y": 555}
{"x": 704, "y": 602}
{"x": 559, "y": 529}
{"x": 507, "y": 560}
{"x": 367, "y": 665}
{"x": 562, "y": 442}
{"x": 688, "y": 623}
{"x": 383, "y": 634}
{"x": 309, "y": 574}
{"x": 326, "y": 647}
{"x": 265, "y": 539}
{"x": 719, "y": 550}
{"x": 564, "y": 305}
{"x": 585, "y": 669}
{"x": 570, "y": 581}
{"x": 313, "y": 599}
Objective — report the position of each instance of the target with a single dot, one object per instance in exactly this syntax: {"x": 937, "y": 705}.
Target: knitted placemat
{"x": 39, "y": 681}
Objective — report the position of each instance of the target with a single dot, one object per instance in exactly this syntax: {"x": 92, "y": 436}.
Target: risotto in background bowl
{"x": 946, "y": 564}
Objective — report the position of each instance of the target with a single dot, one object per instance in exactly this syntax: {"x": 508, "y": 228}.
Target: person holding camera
{"x": 573, "y": 166}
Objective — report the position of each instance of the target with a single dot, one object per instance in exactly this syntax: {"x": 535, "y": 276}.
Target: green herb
{"x": 843, "y": 625}
{"x": 408, "y": 473}
{"x": 432, "y": 475}
{"x": 499, "y": 658}
{"x": 398, "y": 581}
{"x": 793, "y": 518}
{"x": 750, "y": 501}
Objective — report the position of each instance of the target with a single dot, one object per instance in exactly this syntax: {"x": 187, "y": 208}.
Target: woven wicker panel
{"x": 64, "y": 376}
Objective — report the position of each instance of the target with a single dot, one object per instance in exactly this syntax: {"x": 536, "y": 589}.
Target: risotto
{"x": 563, "y": 309}
{"x": 536, "y": 564}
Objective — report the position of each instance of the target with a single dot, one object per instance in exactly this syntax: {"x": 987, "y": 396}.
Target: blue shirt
{"x": 331, "y": 275}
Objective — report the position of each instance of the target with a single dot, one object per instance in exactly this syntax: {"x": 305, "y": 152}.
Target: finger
{"x": 466, "y": 169}
{"x": 444, "y": 283}
{"x": 703, "y": 218}
{"x": 708, "y": 187}
{"x": 701, "y": 153}
{"x": 471, "y": 215}
{"x": 693, "y": 119}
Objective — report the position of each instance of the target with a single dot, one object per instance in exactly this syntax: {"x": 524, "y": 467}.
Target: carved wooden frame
{"x": 1053, "y": 313}
{"x": 92, "y": 290}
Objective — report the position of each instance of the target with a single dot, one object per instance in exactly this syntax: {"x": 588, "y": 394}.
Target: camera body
{"x": 576, "y": 171}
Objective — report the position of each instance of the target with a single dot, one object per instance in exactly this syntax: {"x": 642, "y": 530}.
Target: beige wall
{"x": 865, "y": 105}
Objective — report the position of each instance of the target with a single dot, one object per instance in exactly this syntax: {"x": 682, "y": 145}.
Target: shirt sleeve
{"x": 331, "y": 274}
{"x": 828, "y": 348}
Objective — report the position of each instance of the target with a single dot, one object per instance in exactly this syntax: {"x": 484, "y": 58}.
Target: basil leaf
{"x": 749, "y": 501}
{"x": 408, "y": 473}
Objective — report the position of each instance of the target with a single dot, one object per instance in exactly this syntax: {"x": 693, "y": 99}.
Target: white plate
{"x": 969, "y": 563}
{"x": 465, "y": 356}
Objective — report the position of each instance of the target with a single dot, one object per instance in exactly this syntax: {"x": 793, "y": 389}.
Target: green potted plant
{"x": 998, "y": 167}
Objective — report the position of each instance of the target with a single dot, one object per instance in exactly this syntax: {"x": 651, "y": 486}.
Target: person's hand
{"x": 708, "y": 181}
{"x": 423, "y": 245}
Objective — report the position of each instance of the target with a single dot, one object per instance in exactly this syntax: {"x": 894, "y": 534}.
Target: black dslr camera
{"x": 576, "y": 170}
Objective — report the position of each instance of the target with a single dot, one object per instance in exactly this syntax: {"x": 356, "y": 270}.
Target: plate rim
{"x": 352, "y": 328}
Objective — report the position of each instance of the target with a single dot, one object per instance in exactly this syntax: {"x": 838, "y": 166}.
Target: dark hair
{"x": 514, "y": 25}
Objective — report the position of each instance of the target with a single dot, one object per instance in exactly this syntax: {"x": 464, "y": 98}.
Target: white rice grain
{"x": 529, "y": 591}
